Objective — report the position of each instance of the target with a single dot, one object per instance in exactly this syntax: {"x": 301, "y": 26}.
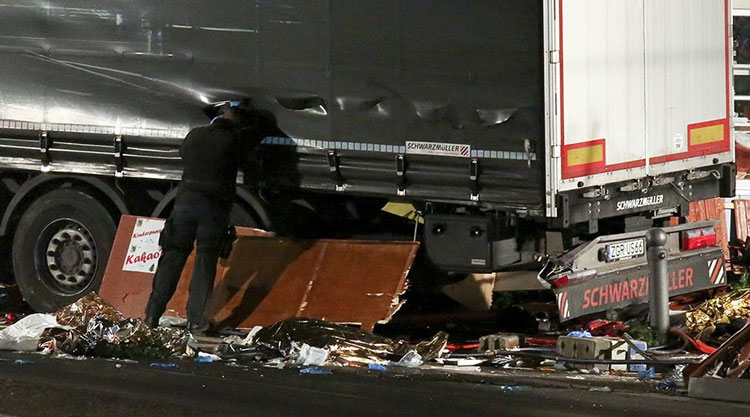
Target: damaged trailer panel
{"x": 490, "y": 104}
{"x": 351, "y": 87}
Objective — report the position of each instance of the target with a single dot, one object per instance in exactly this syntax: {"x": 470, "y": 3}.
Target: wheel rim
{"x": 66, "y": 256}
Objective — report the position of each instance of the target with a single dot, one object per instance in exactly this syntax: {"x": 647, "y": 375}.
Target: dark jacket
{"x": 211, "y": 156}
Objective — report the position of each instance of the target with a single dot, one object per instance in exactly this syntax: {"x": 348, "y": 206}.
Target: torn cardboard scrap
{"x": 267, "y": 279}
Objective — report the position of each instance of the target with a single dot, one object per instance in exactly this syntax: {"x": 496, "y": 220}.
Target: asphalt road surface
{"x": 37, "y": 385}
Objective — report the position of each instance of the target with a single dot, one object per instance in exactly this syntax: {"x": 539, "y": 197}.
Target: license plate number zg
{"x": 625, "y": 250}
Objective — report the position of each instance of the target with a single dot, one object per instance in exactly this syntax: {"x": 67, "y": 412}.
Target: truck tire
{"x": 60, "y": 248}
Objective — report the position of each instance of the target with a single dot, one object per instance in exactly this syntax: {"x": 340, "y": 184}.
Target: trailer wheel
{"x": 60, "y": 248}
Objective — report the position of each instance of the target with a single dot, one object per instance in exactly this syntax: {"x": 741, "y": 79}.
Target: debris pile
{"x": 297, "y": 338}
{"x": 92, "y": 327}
{"x": 708, "y": 344}
{"x": 98, "y": 329}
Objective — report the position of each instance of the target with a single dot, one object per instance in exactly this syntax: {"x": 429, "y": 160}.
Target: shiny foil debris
{"x": 722, "y": 309}
{"x": 80, "y": 313}
{"x": 100, "y": 330}
{"x": 346, "y": 345}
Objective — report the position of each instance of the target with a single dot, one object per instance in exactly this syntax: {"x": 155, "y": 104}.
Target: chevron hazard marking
{"x": 563, "y": 305}
{"x": 716, "y": 271}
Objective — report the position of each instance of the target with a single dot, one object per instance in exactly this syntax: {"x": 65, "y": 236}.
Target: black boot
{"x": 152, "y": 322}
{"x": 200, "y": 328}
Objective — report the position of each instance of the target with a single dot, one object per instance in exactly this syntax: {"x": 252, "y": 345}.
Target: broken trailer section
{"x": 267, "y": 279}
{"x": 612, "y": 272}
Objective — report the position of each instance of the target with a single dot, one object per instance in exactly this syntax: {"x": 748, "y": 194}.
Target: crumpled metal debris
{"x": 98, "y": 329}
{"x": 730, "y": 360}
{"x": 722, "y": 309}
{"x": 346, "y": 345}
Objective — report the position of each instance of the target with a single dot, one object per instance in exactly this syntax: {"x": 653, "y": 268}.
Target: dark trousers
{"x": 206, "y": 225}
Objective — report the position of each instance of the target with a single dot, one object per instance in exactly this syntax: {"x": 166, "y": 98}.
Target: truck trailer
{"x": 517, "y": 131}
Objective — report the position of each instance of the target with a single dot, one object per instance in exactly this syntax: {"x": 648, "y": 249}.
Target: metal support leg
{"x": 658, "y": 282}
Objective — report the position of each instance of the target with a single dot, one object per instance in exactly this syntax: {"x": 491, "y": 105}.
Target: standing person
{"x": 211, "y": 156}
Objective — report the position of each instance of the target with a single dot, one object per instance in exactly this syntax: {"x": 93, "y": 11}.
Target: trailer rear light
{"x": 698, "y": 238}
{"x": 573, "y": 278}
{"x": 559, "y": 281}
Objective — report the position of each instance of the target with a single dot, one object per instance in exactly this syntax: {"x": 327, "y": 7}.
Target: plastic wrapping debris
{"x": 98, "y": 329}
{"x": 242, "y": 352}
{"x": 667, "y": 386}
{"x": 346, "y": 345}
{"x": 410, "y": 359}
{"x": 504, "y": 361}
{"x": 459, "y": 362}
{"x": 606, "y": 328}
{"x": 376, "y": 367}
{"x": 648, "y": 373}
{"x": 722, "y": 309}
{"x": 251, "y": 335}
{"x": 207, "y": 357}
{"x": 172, "y": 321}
{"x": 314, "y": 370}
{"x": 310, "y": 355}
{"x": 24, "y": 334}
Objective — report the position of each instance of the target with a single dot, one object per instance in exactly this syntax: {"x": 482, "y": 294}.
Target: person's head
{"x": 240, "y": 113}
{"x": 248, "y": 119}
{"x": 228, "y": 112}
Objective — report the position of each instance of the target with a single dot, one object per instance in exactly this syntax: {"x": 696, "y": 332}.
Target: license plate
{"x": 625, "y": 250}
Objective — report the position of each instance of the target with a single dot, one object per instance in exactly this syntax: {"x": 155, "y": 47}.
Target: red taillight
{"x": 698, "y": 238}
{"x": 573, "y": 278}
{"x": 560, "y": 282}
